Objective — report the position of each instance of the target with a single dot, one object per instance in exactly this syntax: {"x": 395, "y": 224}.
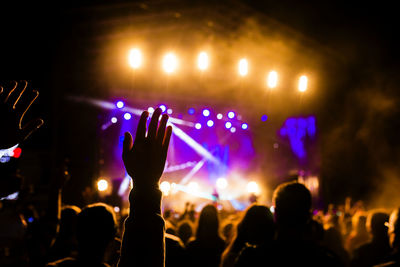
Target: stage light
{"x": 233, "y": 129}
{"x": 221, "y": 183}
{"x": 272, "y": 80}
{"x": 163, "y": 108}
{"x": 197, "y": 126}
{"x": 120, "y": 104}
{"x": 102, "y": 185}
{"x": 228, "y": 125}
{"x": 135, "y": 58}
{"x": 245, "y": 126}
{"x": 252, "y": 187}
{"x": 191, "y": 111}
{"x": 150, "y": 109}
{"x": 303, "y": 83}
{"x": 243, "y": 67}
{"x": 206, "y": 112}
{"x": 170, "y": 63}
{"x": 231, "y": 114}
{"x": 264, "y": 117}
{"x": 127, "y": 116}
{"x": 210, "y": 123}
{"x": 114, "y": 120}
{"x": 169, "y": 111}
{"x": 220, "y": 116}
{"x": 165, "y": 187}
{"x": 117, "y": 209}
{"x": 193, "y": 187}
{"x": 202, "y": 61}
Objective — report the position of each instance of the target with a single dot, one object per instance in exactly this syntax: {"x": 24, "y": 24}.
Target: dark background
{"x": 53, "y": 47}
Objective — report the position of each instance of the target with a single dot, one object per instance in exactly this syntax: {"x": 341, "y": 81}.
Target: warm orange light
{"x": 272, "y": 80}
{"x": 303, "y": 81}
{"x": 202, "y": 61}
{"x": 135, "y": 58}
{"x": 243, "y": 67}
{"x": 170, "y": 63}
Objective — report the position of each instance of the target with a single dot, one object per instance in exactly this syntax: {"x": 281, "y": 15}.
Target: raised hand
{"x": 15, "y": 101}
{"x": 145, "y": 158}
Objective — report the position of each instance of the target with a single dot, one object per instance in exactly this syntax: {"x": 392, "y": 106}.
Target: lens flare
{"x": 135, "y": 58}
{"x": 221, "y": 183}
{"x": 102, "y": 185}
{"x": 243, "y": 67}
{"x": 170, "y": 63}
{"x": 202, "y": 61}
{"x": 272, "y": 80}
{"x": 303, "y": 82}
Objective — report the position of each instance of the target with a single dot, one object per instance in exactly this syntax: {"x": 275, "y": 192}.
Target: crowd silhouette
{"x": 97, "y": 235}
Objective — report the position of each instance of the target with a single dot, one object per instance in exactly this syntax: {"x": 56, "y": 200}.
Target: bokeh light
{"x": 220, "y": 116}
{"x": 170, "y": 63}
{"x": 264, "y": 117}
{"x": 231, "y": 114}
{"x": 127, "y": 116}
{"x": 169, "y": 111}
{"x": 252, "y": 187}
{"x": 193, "y": 187}
{"x": 102, "y": 185}
{"x": 163, "y": 108}
{"x": 206, "y": 112}
{"x": 233, "y": 129}
{"x": 202, "y": 61}
{"x": 210, "y": 123}
{"x": 191, "y": 111}
{"x": 221, "y": 183}
{"x": 150, "y": 109}
{"x": 303, "y": 82}
{"x": 243, "y": 67}
{"x": 135, "y": 58}
{"x": 272, "y": 80}
{"x": 228, "y": 125}
{"x": 120, "y": 104}
{"x": 245, "y": 126}
{"x": 197, "y": 126}
{"x": 165, "y": 187}
{"x": 114, "y": 120}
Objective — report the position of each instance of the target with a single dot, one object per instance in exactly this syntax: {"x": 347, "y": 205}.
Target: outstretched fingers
{"x": 165, "y": 144}
{"x": 153, "y": 125}
{"x": 161, "y": 129}
{"x": 127, "y": 145}
{"x": 141, "y": 129}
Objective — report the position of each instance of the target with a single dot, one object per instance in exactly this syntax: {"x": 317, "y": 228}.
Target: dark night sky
{"x": 364, "y": 136}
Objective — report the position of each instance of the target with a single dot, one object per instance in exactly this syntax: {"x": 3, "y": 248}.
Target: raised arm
{"x": 144, "y": 159}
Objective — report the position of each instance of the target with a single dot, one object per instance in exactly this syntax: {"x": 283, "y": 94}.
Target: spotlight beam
{"x": 192, "y": 172}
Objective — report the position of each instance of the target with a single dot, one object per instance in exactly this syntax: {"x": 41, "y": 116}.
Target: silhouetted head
{"x": 292, "y": 205}
{"x": 185, "y": 231}
{"x": 96, "y": 228}
{"x": 257, "y": 225}
{"x": 208, "y": 225}
{"x": 376, "y": 223}
{"x": 394, "y": 229}
{"x": 359, "y": 223}
{"x": 68, "y": 221}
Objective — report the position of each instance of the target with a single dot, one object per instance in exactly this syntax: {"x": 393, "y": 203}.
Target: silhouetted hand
{"x": 14, "y": 103}
{"x": 145, "y": 158}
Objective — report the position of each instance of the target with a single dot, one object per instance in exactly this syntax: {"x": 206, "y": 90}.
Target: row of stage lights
{"x": 206, "y": 113}
{"x": 170, "y": 64}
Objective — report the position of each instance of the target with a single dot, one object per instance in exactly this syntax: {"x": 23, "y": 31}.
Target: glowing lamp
{"x": 272, "y": 80}
{"x": 170, "y": 63}
{"x": 206, "y": 112}
{"x": 221, "y": 183}
{"x": 135, "y": 58}
{"x": 210, "y": 123}
{"x": 245, "y": 126}
{"x": 303, "y": 81}
{"x": 219, "y": 116}
{"x": 120, "y": 104}
{"x": 252, "y": 187}
{"x": 127, "y": 116}
{"x": 114, "y": 120}
{"x": 228, "y": 125}
{"x": 231, "y": 114}
{"x": 243, "y": 67}
{"x": 102, "y": 185}
{"x": 202, "y": 61}
{"x": 197, "y": 126}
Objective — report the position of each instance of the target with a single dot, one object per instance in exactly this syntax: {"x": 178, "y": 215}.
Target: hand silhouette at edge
{"x": 14, "y": 103}
{"x": 144, "y": 159}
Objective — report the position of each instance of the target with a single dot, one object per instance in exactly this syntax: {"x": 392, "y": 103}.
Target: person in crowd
{"x": 333, "y": 239}
{"x": 359, "y": 234}
{"x": 256, "y": 228}
{"x": 293, "y": 245}
{"x": 144, "y": 160}
{"x": 207, "y": 246}
{"x": 65, "y": 244}
{"x": 96, "y": 229}
{"x": 185, "y": 231}
{"x": 378, "y": 248}
{"x": 228, "y": 232}
{"x": 393, "y": 260}
{"x": 174, "y": 251}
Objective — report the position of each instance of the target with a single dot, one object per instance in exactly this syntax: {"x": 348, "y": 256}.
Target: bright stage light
{"x": 197, "y": 126}
{"x": 114, "y": 120}
{"x": 163, "y": 108}
{"x": 252, "y": 187}
{"x": 120, "y": 104}
{"x": 102, "y": 185}
{"x": 165, "y": 187}
{"x": 206, "y": 112}
{"x": 210, "y": 123}
{"x": 228, "y": 125}
{"x": 150, "y": 109}
{"x": 243, "y": 67}
{"x": 127, "y": 116}
{"x": 135, "y": 58}
{"x": 272, "y": 80}
{"x": 169, "y": 111}
{"x": 220, "y": 116}
{"x": 221, "y": 183}
{"x": 193, "y": 187}
{"x": 170, "y": 63}
{"x": 233, "y": 129}
{"x": 231, "y": 114}
{"x": 245, "y": 126}
{"x": 202, "y": 61}
{"x": 303, "y": 83}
